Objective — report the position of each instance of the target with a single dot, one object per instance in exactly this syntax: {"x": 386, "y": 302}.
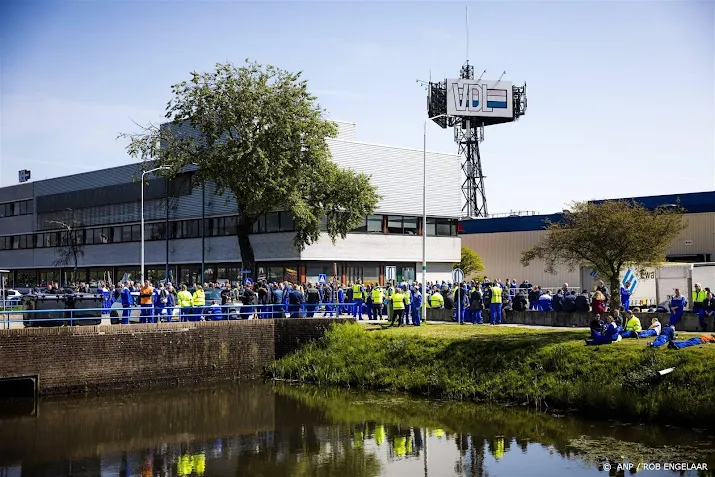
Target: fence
{"x": 138, "y": 314}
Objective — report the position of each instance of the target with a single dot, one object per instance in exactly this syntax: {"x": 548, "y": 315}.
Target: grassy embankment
{"x": 547, "y": 369}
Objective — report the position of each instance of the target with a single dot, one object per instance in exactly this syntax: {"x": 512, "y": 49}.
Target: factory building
{"x": 189, "y": 228}
{"x": 500, "y": 240}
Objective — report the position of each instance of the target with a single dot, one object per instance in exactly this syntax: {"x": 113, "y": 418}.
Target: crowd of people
{"x": 400, "y": 303}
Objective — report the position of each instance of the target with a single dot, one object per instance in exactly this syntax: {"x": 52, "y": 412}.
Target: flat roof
{"x": 692, "y": 202}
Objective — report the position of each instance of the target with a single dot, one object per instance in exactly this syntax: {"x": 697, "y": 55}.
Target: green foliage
{"x": 471, "y": 263}
{"x": 608, "y": 237}
{"x": 260, "y": 136}
{"x": 546, "y": 369}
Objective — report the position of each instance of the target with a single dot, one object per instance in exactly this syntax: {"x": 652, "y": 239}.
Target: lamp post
{"x": 424, "y": 217}
{"x": 161, "y": 168}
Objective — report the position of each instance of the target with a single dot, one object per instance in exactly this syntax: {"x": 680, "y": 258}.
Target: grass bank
{"x": 546, "y": 369}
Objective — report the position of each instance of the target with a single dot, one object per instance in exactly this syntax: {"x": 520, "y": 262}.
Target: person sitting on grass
{"x": 596, "y": 326}
{"x": 633, "y": 325}
{"x": 702, "y": 339}
{"x": 653, "y": 329}
{"x": 609, "y": 335}
{"x": 665, "y": 337}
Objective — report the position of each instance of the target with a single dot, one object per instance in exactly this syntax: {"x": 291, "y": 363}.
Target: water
{"x": 254, "y": 429}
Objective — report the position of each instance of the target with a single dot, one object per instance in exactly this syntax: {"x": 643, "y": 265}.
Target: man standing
{"x": 127, "y": 301}
{"x": 358, "y": 296}
{"x": 377, "y": 299}
{"x": 398, "y": 306}
{"x": 626, "y": 296}
{"x": 416, "y": 305}
{"x": 495, "y": 307}
{"x": 677, "y": 306}
{"x": 699, "y": 296}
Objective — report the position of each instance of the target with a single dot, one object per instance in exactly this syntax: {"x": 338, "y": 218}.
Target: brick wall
{"x": 91, "y": 358}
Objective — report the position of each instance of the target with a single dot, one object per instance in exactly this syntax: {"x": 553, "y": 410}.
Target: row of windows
{"x": 215, "y": 227}
{"x": 11, "y": 209}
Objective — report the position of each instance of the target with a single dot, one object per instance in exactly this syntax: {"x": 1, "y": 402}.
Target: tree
{"x": 260, "y": 136}
{"x": 609, "y": 237}
{"x": 471, "y": 262}
{"x": 71, "y": 244}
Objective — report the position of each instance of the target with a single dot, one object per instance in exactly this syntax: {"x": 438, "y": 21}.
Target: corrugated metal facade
{"x": 697, "y": 238}
{"x": 397, "y": 173}
{"x": 346, "y": 131}
{"x": 501, "y": 255}
{"x": 501, "y": 251}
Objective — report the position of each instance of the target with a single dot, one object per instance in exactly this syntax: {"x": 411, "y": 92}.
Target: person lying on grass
{"x": 665, "y": 337}
{"x": 702, "y": 339}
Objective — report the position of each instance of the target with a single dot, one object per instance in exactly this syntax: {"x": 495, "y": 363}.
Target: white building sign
{"x": 488, "y": 99}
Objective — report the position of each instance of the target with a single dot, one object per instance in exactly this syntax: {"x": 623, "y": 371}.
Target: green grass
{"x": 547, "y": 369}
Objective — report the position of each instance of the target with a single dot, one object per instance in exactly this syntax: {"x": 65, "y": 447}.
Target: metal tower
{"x": 474, "y": 104}
{"x": 468, "y": 133}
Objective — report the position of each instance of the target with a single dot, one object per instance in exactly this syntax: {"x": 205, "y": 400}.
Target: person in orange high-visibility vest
{"x": 146, "y": 301}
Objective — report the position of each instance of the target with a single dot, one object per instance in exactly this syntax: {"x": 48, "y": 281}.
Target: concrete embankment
{"x": 94, "y": 358}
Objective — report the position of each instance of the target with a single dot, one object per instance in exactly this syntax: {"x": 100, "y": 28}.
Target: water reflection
{"x": 258, "y": 430}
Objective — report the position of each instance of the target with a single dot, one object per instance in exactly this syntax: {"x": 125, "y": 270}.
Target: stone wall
{"x": 689, "y": 322}
{"x": 84, "y": 358}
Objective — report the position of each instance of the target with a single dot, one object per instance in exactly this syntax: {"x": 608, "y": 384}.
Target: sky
{"x": 621, "y": 95}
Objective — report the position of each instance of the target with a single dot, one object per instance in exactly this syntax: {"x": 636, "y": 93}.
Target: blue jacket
{"x": 679, "y": 302}
{"x": 127, "y": 298}
{"x": 611, "y": 331}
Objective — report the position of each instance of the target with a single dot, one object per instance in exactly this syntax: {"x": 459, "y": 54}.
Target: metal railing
{"x": 151, "y": 314}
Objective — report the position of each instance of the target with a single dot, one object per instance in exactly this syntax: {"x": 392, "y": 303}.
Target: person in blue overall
{"x": 698, "y": 306}
{"x": 702, "y": 339}
{"x": 609, "y": 335}
{"x": 476, "y": 306}
{"x": 127, "y": 302}
{"x": 626, "y": 296}
{"x": 664, "y": 338}
{"x": 677, "y": 307}
{"x": 214, "y": 312}
{"x": 104, "y": 291}
{"x": 277, "y": 299}
{"x": 341, "y": 300}
{"x": 545, "y": 301}
{"x": 653, "y": 329}
{"x": 416, "y": 305}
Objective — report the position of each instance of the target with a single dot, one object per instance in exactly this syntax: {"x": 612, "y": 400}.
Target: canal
{"x": 254, "y": 429}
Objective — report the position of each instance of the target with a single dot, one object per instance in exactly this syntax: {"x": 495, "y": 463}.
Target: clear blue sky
{"x": 621, "y": 94}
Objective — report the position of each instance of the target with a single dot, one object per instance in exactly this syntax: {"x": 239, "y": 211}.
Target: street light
{"x": 424, "y": 217}
{"x": 161, "y": 168}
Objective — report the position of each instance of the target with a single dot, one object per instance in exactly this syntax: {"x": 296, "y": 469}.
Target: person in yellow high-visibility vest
{"x": 436, "y": 300}
{"x": 184, "y": 301}
{"x": 408, "y": 301}
{"x": 699, "y": 296}
{"x": 358, "y": 297}
{"x": 377, "y": 299}
{"x": 398, "y": 306}
{"x": 495, "y": 307}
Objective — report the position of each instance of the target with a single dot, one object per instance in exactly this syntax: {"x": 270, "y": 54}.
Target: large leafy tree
{"x": 260, "y": 136}
{"x": 608, "y": 237}
{"x": 471, "y": 262}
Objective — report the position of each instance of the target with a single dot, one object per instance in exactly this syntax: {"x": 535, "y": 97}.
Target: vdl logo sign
{"x": 479, "y": 98}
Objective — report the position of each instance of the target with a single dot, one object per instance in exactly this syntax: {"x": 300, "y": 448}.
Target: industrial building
{"x": 104, "y": 209}
{"x": 500, "y": 240}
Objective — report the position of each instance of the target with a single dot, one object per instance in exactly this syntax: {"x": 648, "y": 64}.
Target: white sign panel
{"x": 457, "y": 275}
{"x": 489, "y": 99}
{"x": 390, "y": 273}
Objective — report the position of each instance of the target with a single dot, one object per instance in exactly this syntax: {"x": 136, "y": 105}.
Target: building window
{"x": 272, "y": 222}
{"x": 286, "y": 219}
{"x": 230, "y": 225}
{"x": 374, "y": 224}
{"x": 259, "y": 226}
{"x": 8, "y": 209}
{"x": 39, "y": 240}
{"x": 394, "y": 224}
{"x": 431, "y": 227}
{"x": 409, "y": 225}
{"x": 443, "y": 227}
{"x": 362, "y": 227}
{"x": 117, "y": 234}
{"x": 190, "y": 229}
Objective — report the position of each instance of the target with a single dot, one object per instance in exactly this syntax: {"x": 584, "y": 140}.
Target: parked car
{"x": 12, "y": 295}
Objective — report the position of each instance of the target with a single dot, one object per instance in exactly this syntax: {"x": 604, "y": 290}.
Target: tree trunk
{"x": 615, "y": 286}
{"x": 248, "y": 259}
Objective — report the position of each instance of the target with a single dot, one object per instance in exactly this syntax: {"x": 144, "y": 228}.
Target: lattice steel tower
{"x": 468, "y": 105}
